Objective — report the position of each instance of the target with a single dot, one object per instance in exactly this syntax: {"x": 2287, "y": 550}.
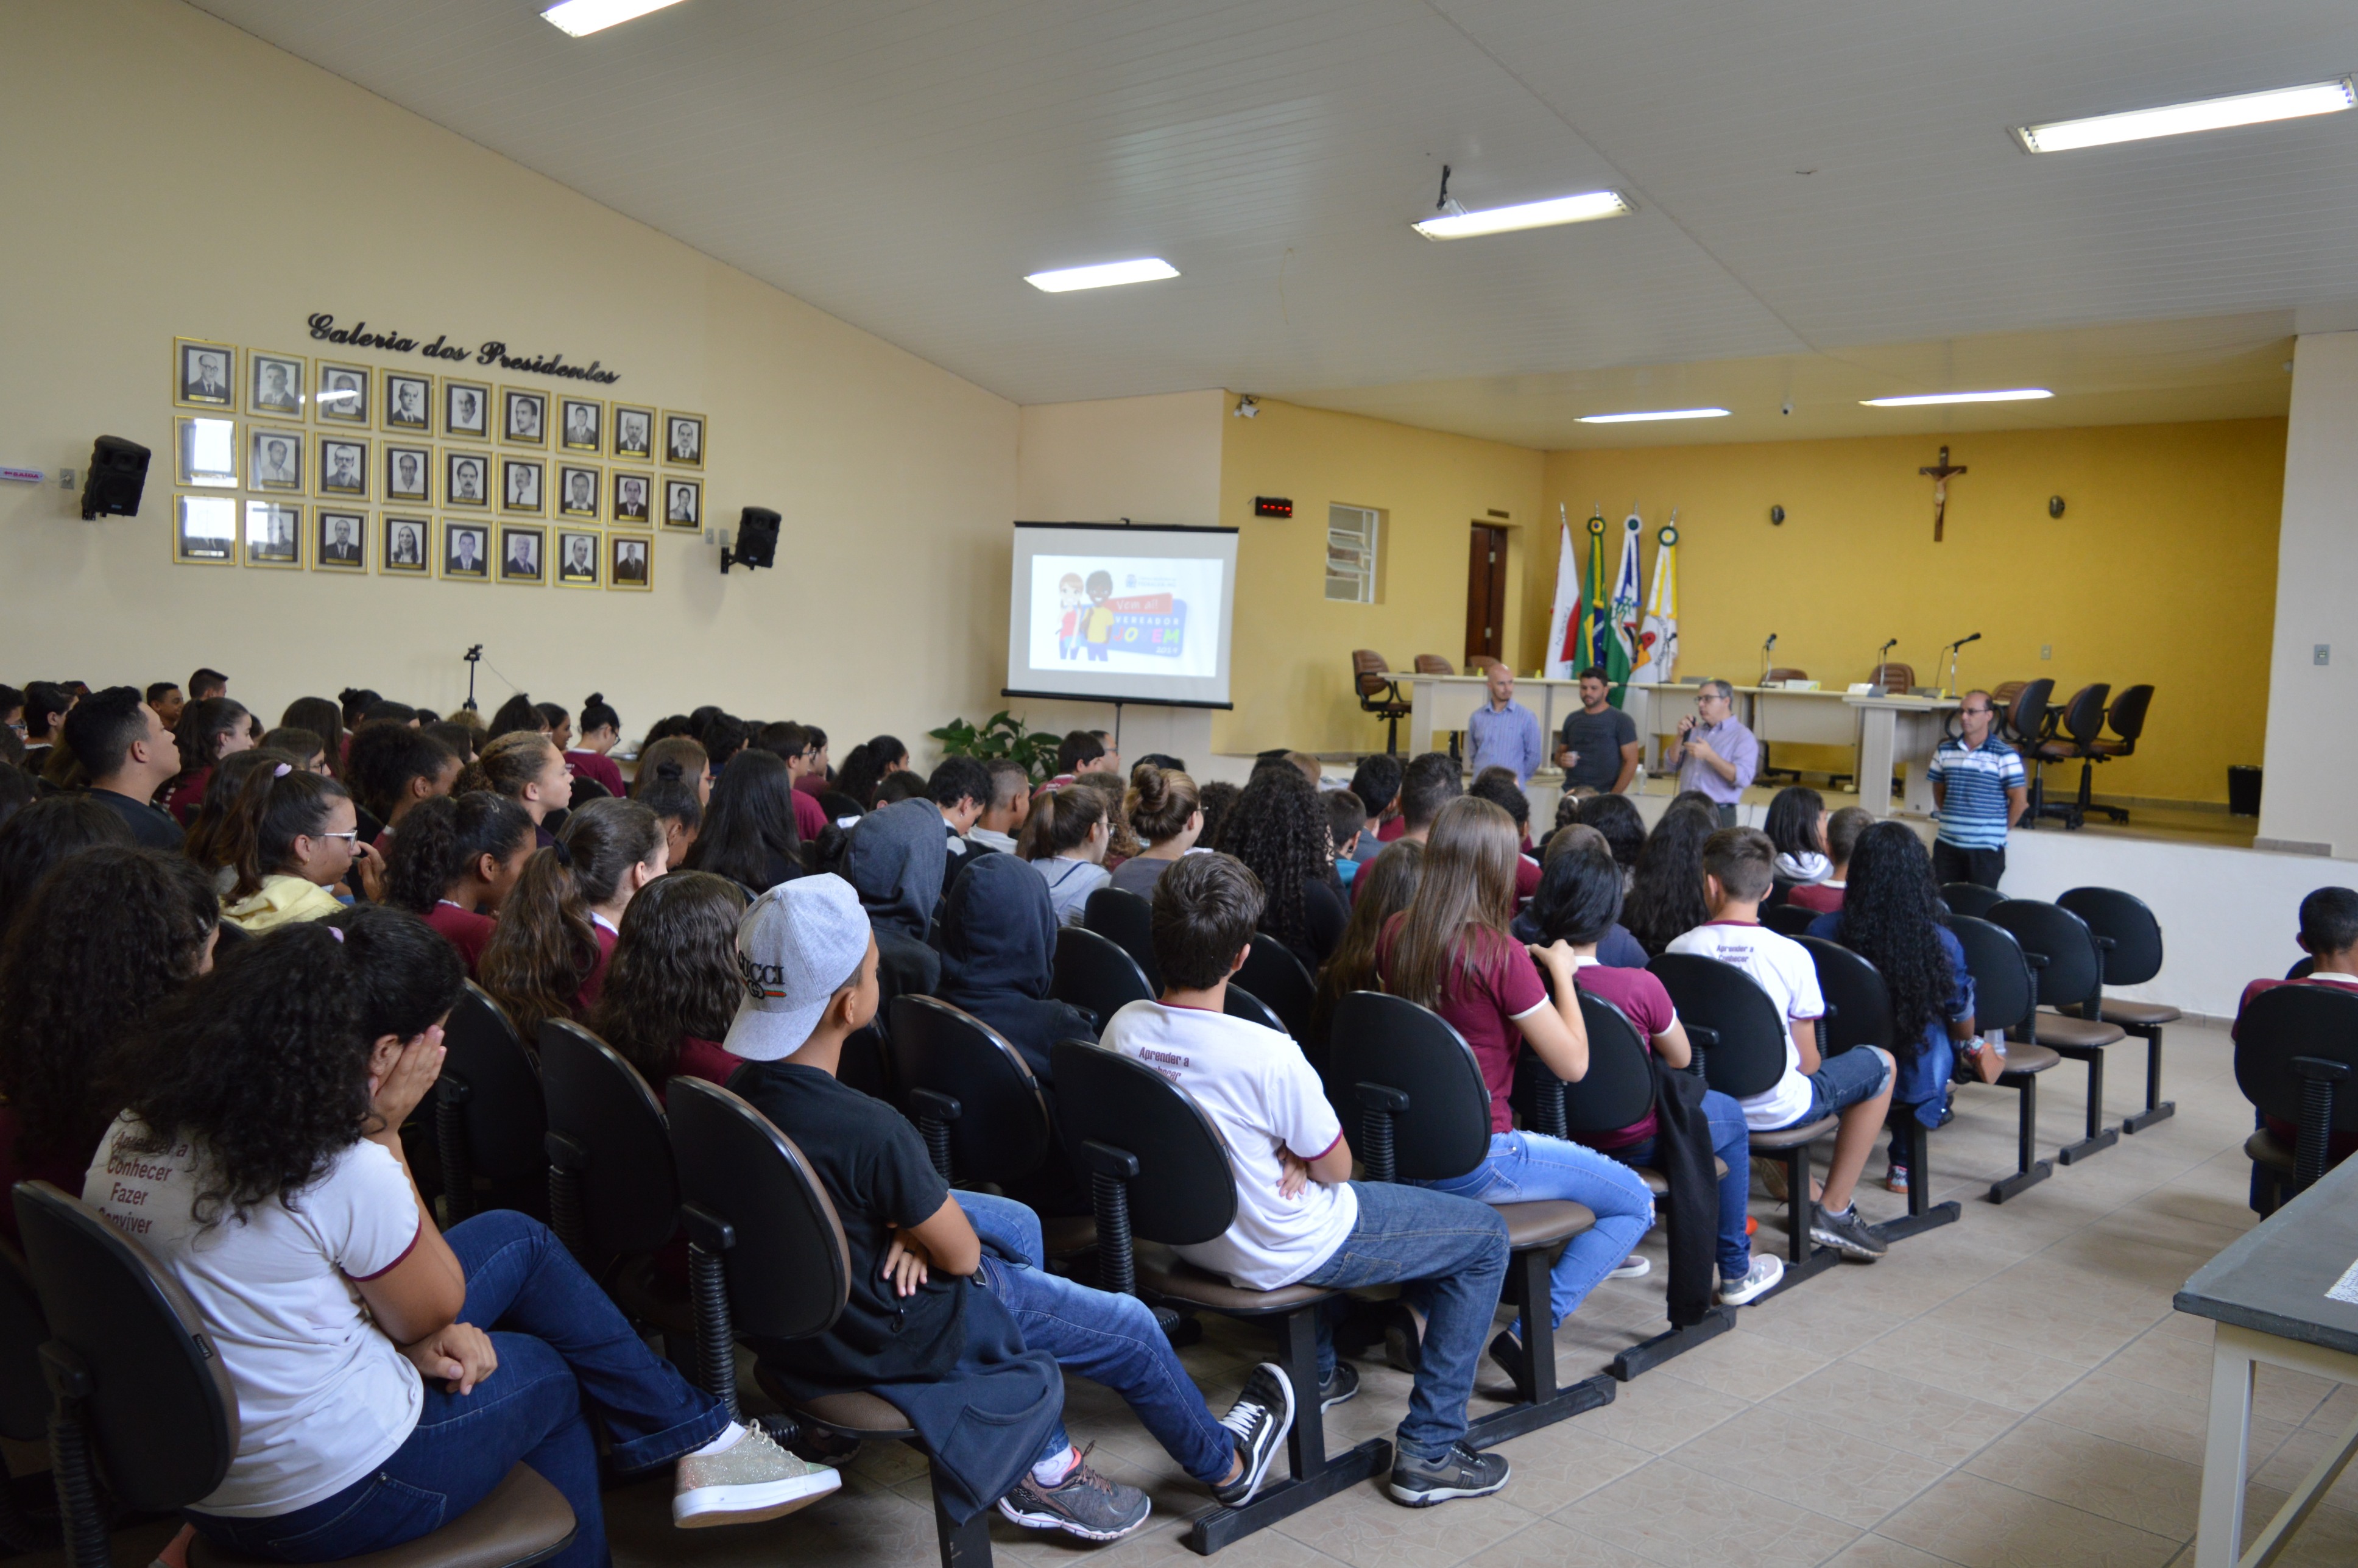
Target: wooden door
{"x": 1485, "y": 593}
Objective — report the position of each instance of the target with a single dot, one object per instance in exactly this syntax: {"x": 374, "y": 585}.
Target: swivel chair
{"x": 2073, "y": 738}
{"x": 1377, "y": 695}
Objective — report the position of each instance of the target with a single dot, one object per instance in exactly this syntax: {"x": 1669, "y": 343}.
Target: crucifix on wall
{"x": 1940, "y": 476}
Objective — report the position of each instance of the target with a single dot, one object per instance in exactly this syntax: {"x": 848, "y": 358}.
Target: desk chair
{"x": 1858, "y": 1012}
{"x": 2072, "y": 737}
{"x": 2302, "y": 969}
{"x": 2129, "y": 938}
{"x": 614, "y": 1196}
{"x": 2006, "y": 997}
{"x": 2067, "y": 965}
{"x": 840, "y": 805}
{"x": 1273, "y": 974}
{"x": 2296, "y": 1047}
{"x": 2022, "y": 711}
{"x": 1128, "y": 921}
{"x": 488, "y": 1120}
{"x": 1434, "y": 664}
{"x": 1897, "y": 678}
{"x": 1242, "y": 1003}
{"x": 1095, "y": 975}
{"x": 2126, "y": 718}
{"x": 1377, "y": 695}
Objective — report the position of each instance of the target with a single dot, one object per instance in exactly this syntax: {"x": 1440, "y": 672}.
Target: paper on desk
{"x": 2345, "y": 1289}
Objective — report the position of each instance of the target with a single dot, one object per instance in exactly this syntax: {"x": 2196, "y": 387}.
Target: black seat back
{"x": 2127, "y": 716}
{"x": 2302, "y": 969}
{"x": 2073, "y": 971}
{"x": 2123, "y": 919}
{"x": 1001, "y": 1132}
{"x": 1618, "y": 1088}
{"x": 161, "y": 1413}
{"x": 2084, "y": 715}
{"x": 2288, "y": 1021}
{"x": 840, "y": 807}
{"x": 788, "y": 1272}
{"x": 2003, "y": 994}
{"x": 1094, "y": 974}
{"x": 24, "y": 1392}
{"x": 1242, "y": 1003}
{"x": 1387, "y": 1042}
{"x": 2026, "y": 716}
{"x": 1858, "y": 1004}
{"x": 1971, "y": 898}
{"x": 1273, "y": 974}
{"x": 1787, "y": 919}
{"x": 613, "y": 1124}
{"x": 504, "y": 1111}
{"x": 1183, "y": 1192}
{"x": 1744, "y": 1050}
{"x": 1128, "y": 921}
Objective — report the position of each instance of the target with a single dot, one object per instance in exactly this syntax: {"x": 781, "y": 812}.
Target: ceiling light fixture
{"x": 1925, "y": 399}
{"x": 1105, "y": 275}
{"x": 583, "y": 17}
{"x": 1654, "y": 413}
{"x": 2176, "y": 119}
{"x": 1462, "y": 225}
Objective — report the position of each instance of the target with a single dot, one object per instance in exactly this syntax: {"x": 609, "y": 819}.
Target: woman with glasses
{"x": 290, "y": 837}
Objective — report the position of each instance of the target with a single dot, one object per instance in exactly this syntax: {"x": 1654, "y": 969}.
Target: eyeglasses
{"x": 351, "y": 839}
{"x": 18, "y": 726}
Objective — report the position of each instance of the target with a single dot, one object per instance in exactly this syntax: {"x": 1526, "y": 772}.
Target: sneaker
{"x": 1341, "y": 1389}
{"x": 1849, "y": 1234}
{"x": 1768, "y": 1270}
{"x": 1896, "y": 1180}
{"x": 1633, "y": 1267}
{"x": 1460, "y": 1473}
{"x": 1259, "y": 1420}
{"x": 750, "y": 1479}
{"x": 1083, "y": 1503}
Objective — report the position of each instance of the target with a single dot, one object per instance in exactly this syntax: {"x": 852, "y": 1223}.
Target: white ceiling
{"x": 902, "y": 163}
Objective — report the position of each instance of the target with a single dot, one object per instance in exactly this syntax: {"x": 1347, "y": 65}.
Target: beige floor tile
{"x": 2130, "y": 1485}
{"x": 1990, "y": 1370}
{"x": 2158, "y": 1421}
{"x": 1161, "y": 1545}
{"x": 1367, "y": 1530}
{"x": 1814, "y": 1316}
{"x": 1547, "y": 1544}
{"x": 1560, "y": 1464}
{"x": 1657, "y": 1413}
{"x": 1878, "y": 1551}
{"x": 1748, "y": 1366}
{"x": 1850, "y": 1474}
{"x": 2327, "y": 1538}
{"x": 1668, "y": 1513}
{"x": 1981, "y": 1524}
{"x": 1929, "y": 1423}
{"x": 2293, "y": 1459}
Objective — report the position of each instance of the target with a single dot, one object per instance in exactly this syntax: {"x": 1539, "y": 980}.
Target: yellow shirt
{"x": 1100, "y": 623}
{"x": 282, "y": 899}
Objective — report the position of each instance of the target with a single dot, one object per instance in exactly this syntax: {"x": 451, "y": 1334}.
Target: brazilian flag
{"x": 1596, "y": 611}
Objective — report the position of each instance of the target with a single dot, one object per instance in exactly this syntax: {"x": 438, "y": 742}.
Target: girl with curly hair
{"x": 208, "y": 731}
{"x": 391, "y": 767}
{"x": 870, "y": 762}
{"x": 673, "y": 983}
{"x": 454, "y": 863}
{"x": 290, "y": 837}
{"x": 523, "y": 766}
{"x": 36, "y": 839}
{"x": 548, "y": 956}
{"x": 1666, "y": 897}
{"x": 1279, "y": 830}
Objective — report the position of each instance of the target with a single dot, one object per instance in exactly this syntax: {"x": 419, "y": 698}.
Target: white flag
{"x": 1658, "y": 638}
{"x": 1625, "y": 599}
{"x": 1563, "y": 630}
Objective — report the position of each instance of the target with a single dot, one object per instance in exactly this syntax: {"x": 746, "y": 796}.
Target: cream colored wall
{"x": 167, "y": 174}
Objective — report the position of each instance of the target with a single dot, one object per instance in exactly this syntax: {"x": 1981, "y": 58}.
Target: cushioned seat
{"x": 2149, "y": 1013}
{"x": 2264, "y": 1148}
{"x": 2084, "y": 1033}
{"x": 1659, "y": 1184}
{"x": 1786, "y": 1137}
{"x": 1546, "y": 1223}
{"x": 1164, "y": 1273}
{"x": 2021, "y": 1057}
{"x": 524, "y": 1518}
{"x": 1063, "y": 1234}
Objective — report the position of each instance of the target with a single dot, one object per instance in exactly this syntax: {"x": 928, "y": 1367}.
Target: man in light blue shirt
{"x": 1504, "y": 733}
{"x": 1714, "y": 752}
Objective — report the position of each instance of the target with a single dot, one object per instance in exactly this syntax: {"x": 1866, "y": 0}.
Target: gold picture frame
{"x": 341, "y": 393}
{"x": 408, "y": 473}
{"x": 339, "y": 539}
{"x": 275, "y": 459}
{"x": 406, "y": 545}
{"x": 205, "y": 451}
{"x": 581, "y": 426}
{"x": 524, "y": 486}
{"x": 342, "y": 472}
{"x": 591, "y": 571}
{"x": 204, "y": 374}
{"x": 684, "y": 443}
{"x": 453, "y": 562}
{"x": 466, "y": 409}
{"x": 467, "y": 479}
{"x": 524, "y": 555}
{"x": 633, "y": 437}
{"x": 277, "y": 386}
{"x": 272, "y": 536}
{"x": 682, "y": 503}
{"x": 205, "y": 530}
{"x": 524, "y": 418}
{"x": 630, "y": 562}
{"x": 579, "y": 480}
{"x": 406, "y": 402}
{"x": 632, "y": 502}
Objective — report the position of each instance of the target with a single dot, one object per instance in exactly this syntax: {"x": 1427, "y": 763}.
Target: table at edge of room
{"x": 2265, "y": 1291}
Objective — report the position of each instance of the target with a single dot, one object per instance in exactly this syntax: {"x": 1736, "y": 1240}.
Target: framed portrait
{"x": 683, "y": 439}
{"x": 205, "y": 450}
{"x": 274, "y": 534}
{"x": 408, "y": 403}
{"x": 634, "y": 432}
{"x": 576, "y": 491}
{"x": 633, "y": 499}
{"x": 338, "y": 540}
{"x": 524, "y": 416}
{"x": 344, "y": 473}
{"x": 466, "y": 477}
{"x": 521, "y": 555}
{"x": 274, "y": 459}
{"x": 274, "y": 385}
{"x": 408, "y": 542}
{"x": 204, "y": 374}
{"x": 342, "y": 397}
{"x": 408, "y": 473}
{"x": 204, "y": 530}
{"x": 467, "y": 409}
{"x": 682, "y": 503}
{"x": 466, "y": 551}
{"x": 577, "y": 559}
{"x": 630, "y": 562}
{"x": 581, "y": 425}
{"x": 521, "y": 483}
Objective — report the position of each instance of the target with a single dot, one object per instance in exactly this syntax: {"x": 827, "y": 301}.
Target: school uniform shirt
{"x": 1782, "y": 967}
{"x": 1641, "y": 998}
{"x": 593, "y": 984}
{"x": 1492, "y": 983}
{"x": 810, "y": 817}
{"x": 282, "y": 900}
{"x": 599, "y": 767}
{"x": 182, "y": 802}
{"x": 1263, "y": 1095}
{"x": 463, "y": 929}
{"x": 1825, "y": 898}
{"x": 323, "y": 1395}
{"x": 705, "y": 1059}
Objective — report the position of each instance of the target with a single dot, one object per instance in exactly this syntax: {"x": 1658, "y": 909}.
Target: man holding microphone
{"x": 1714, "y": 752}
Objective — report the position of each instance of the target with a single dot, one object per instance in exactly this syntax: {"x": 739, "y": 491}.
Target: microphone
{"x": 1769, "y": 643}
{"x": 1887, "y": 647}
{"x": 1962, "y": 641}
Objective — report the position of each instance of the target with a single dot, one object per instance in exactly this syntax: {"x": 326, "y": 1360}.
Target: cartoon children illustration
{"x": 1068, "y": 600}
{"x": 1100, "y": 617}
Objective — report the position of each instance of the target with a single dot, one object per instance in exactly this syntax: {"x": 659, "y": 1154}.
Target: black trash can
{"x": 2243, "y": 791}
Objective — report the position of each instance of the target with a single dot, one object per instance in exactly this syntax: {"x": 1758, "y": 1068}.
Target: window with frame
{"x": 1351, "y": 543}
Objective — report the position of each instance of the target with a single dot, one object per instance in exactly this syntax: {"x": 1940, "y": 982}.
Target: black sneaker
{"x": 1460, "y": 1473}
{"x": 1341, "y": 1389}
{"x": 1260, "y": 1417}
{"x": 1849, "y": 1234}
{"x": 1083, "y": 1503}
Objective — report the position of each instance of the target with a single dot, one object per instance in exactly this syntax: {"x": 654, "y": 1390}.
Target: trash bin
{"x": 2243, "y": 791}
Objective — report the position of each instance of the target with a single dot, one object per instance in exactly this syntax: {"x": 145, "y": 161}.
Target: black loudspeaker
{"x": 757, "y": 540}
{"x": 118, "y": 473}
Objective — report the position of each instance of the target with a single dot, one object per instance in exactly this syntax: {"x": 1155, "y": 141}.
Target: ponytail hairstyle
{"x": 671, "y": 797}
{"x": 675, "y": 971}
{"x": 597, "y": 713}
{"x": 207, "y": 841}
{"x": 508, "y": 762}
{"x": 303, "y": 746}
{"x": 545, "y": 945}
{"x": 866, "y": 767}
{"x": 275, "y": 806}
{"x": 1385, "y": 886}
{"x": 385, "y": 757}
{"x": 517, "y": 713}
{"x": 322, "y": 718}
{"x": 263, "y": 1063}
{"x": 1060, "y": 821}
{"x": 1161, "y": 803}
{"x": 1468, "y": 885}
{"x": 356, "y": 700}
{"x": 687, "y": 757}
{"x": 443, "y": 838}
{"x": 203, "y": 728}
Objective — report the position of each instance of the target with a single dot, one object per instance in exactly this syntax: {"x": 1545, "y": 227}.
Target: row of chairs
{"x": 2076, "y": 733}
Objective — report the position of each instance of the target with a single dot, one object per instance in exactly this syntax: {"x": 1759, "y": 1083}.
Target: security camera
{"x": 1789, "y": 406}
{"x": 1247, "y": 408}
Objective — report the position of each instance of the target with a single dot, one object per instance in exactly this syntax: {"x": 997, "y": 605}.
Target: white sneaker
{"x": 1767, "y": 1271}
{"x": 750, "y": 1479}
{"x": 1636, "y": 1266}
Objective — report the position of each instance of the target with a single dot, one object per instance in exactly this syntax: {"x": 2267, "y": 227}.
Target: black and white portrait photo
{"x": 520, "y": 554}
{"x": 466, "y": 552}
{"x": 631, "y": 498}
{"x": 576, "y": 491}
{"x": 581, "y": 424}
{"x": 577, "y": 559}
{"x": 408, "y": 403}
{"x": 405, "y": 546}
{"x": 683, "y": 502}
{"x": 524, "y": 416}
{"x": 275, "y": 459}
{"x": 204, "y": 530}
{"x": 342, "y": 541}
{"x": 684, "y": 440}
{"x": 208, "y": 451}
{"x": 519, "y": 484}
{"x": 343, "y": 468}
{"x": 629, "y": 568}
{"x": 466, "y": 479}
{"x": 201, "y": 374}
{"x": 274, "y": 386}
{"x": 634, "y": 432}
{"x": 273, "y": 533}
{"x": 467, "y": 409}
{"x": 408, "y": 473}
{"x": 343, "y": 397}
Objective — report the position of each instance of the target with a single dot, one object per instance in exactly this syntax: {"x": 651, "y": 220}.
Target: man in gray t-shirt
{"x": 1598, "y": 746}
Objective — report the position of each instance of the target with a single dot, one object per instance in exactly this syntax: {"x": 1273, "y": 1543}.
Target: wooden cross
{"x": 1940, "y": 478}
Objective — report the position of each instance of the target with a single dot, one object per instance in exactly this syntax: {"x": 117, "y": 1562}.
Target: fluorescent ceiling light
{"x": 2176, "y": 119}
{"x": 1923, "y": 399}
{"x": 1528, "y": 215}
{"x": 583, "y": 17}
{"x": 1654, "y": 413}
{"x": 1105, "y": 275}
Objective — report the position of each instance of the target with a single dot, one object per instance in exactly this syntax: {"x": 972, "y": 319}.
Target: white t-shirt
{"x": 1261, "y": 1093}
{"x": 1783, "y": 968}
{"x": 323, "y": 1395}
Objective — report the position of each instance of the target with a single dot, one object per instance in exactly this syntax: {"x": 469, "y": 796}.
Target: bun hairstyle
{"x": 1060, "y": 822}
{"x": 357, "y": 700}
{"x": 671, "y": 797}
{"x": 384, "y": 759}
{"x": 508, "y": 762}
{"x": 545, "y": 945}
{"x": 443, "y": 838}
{"x": 597, "y": 713}
{"x": 275, "y": 806}
{"x": 675, "y": 971}
{"x": 1161, "y": 801}
{"x": 679, "y": 751}
{"x": 866, "y": 767}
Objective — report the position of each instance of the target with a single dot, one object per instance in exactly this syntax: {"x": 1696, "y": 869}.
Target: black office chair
{"x": 143, "y": 1399}
{"x": 2296, "y": 1047}
{"x": 2302, "y": 969}
{"x": 2072, "y": 738}
{"x": 2129, "y": 938}
{"x": 2126, "y": 718}
{"x": 2067, "y": 966}
{"x": 2005, "y": 997}
{"x": 24, "y": 1403}
{"x": 840, "y": 807}
{"x": 613, "y": 1196}
{"x": 1128, "y": 921}
{"x": 1735, "y": 1030}
{"x": 1094, "y": 974}
{"x": 1377, "y": 695}
{"x": 1971, "y": 898}
{"x": 1858, "y": 1012}
{"x": 1162, "y": 1179}
{"x": 1273, "y": 974}
{"x": 489, "y": 1124}
{"x": 1787, "y": 919}
{"x": 1242, "y": 1003}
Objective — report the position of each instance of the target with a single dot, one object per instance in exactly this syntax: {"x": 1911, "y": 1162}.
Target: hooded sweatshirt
{"x": 999, "y": 942}
{"x": 896, "y": 861}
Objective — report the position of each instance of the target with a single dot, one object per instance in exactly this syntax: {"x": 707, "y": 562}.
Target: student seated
{"x": 1427, "y": 784}
{"x": 2328, "y": 934}
{"x": 1616, "y": 948}
{"x": 1166, "y": 811}
{"x": 602, "y": 729}
{"x": 676, "y": 810}
{"x": 1386, "y": 885}
{"x": 44, "y": 706}
{"x": 130, "y": 756}
{"x": 1666, "y": 887}
{"x": 1842, "y": 830}
{"x": 210, "y": 834}
{"x": 1009, "y": 804}
{"x": 290, "y": 837}
{"x": 523, "y": 766}
{"x": 694, "y": 766}
{"x": 870, "y": 764}
{"x": 386, "y": 1378}
{"x": 547, "y": 953}
{"x": 1797, "y": 826}
{"x": 1856, "y": 1086}
{"x": 1279, "y": 830}
{"x": 960, "y": 789}
{"x": 749, "y": 834}
{"x": 310, "y": 753}
{"x": 391, "y": 767}
{"x": 1376, "y": 783}
{"x": 999, "y": 949}
{"x": 1347, "y": 818}
{"x": 454, "y": 864}
{"x": 673, "y": 985}
{"x": 1616, "y": 816}
{"x": 938, "y": 1324}
{"x": 896, "y": 862}
{"x": 1300, "y": 1220}
{"x": 1065, "y": 841}
{"x": 209, "y": 730}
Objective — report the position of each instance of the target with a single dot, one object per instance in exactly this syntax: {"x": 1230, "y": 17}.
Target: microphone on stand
{"x": 1765, "y": 648}
{"x": 1951, "y": 689}
{"x": 1876, "y": 689}
{"x": 1962, "y": 641}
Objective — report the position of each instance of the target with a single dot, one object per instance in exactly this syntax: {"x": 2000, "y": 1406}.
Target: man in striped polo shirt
{"x": 1979, "y": 792}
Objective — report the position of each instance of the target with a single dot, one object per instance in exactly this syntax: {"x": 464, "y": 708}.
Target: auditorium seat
{"x": 2295, "y": 1061}
{"x": 2004, "y": 1001}
{"x": 614, "y": 1196}
{"x": 2072, "y": 738}
{"x": 2126, "y": 718}
{"x": 2130, "y": 939}
{"x": 489, "y": 1116}
{"x": 1376, "y": 695}
{"x": 2067, "y": 973}
{"x": 1858, "y": 1012}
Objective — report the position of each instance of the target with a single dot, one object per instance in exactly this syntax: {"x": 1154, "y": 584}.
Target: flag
{"x": 1658, "y": 637}
{"x": 1618, "y": 640}
{"x": 1564, "y": 632}
{"x": 1596, "y": 611}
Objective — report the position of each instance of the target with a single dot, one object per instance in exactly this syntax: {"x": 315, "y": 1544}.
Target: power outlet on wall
{"x": 2323, "y": 654}
{"x": 2046, "y": 649}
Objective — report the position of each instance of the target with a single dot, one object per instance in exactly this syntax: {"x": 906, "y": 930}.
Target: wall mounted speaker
{"x": 118, "y": 473}
{"x": 757, "y": 540}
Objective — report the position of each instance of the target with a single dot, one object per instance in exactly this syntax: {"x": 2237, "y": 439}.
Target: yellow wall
{"x": 1291, "y": 647}
{"x": 2162, "y": 569}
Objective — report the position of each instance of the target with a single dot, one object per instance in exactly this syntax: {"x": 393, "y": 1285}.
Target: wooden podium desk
{"x": 1898, "y": 733}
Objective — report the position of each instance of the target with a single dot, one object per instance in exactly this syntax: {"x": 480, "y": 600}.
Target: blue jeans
{"x": 1840, "y": 1082}
{"x": 561, "y": 1341}
{"x": 1733, "y": 1144}
{"x": 1108, "y": 1339}
{"x": 1451, "y": 1254}
{"x": 1525, "y": 1167}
